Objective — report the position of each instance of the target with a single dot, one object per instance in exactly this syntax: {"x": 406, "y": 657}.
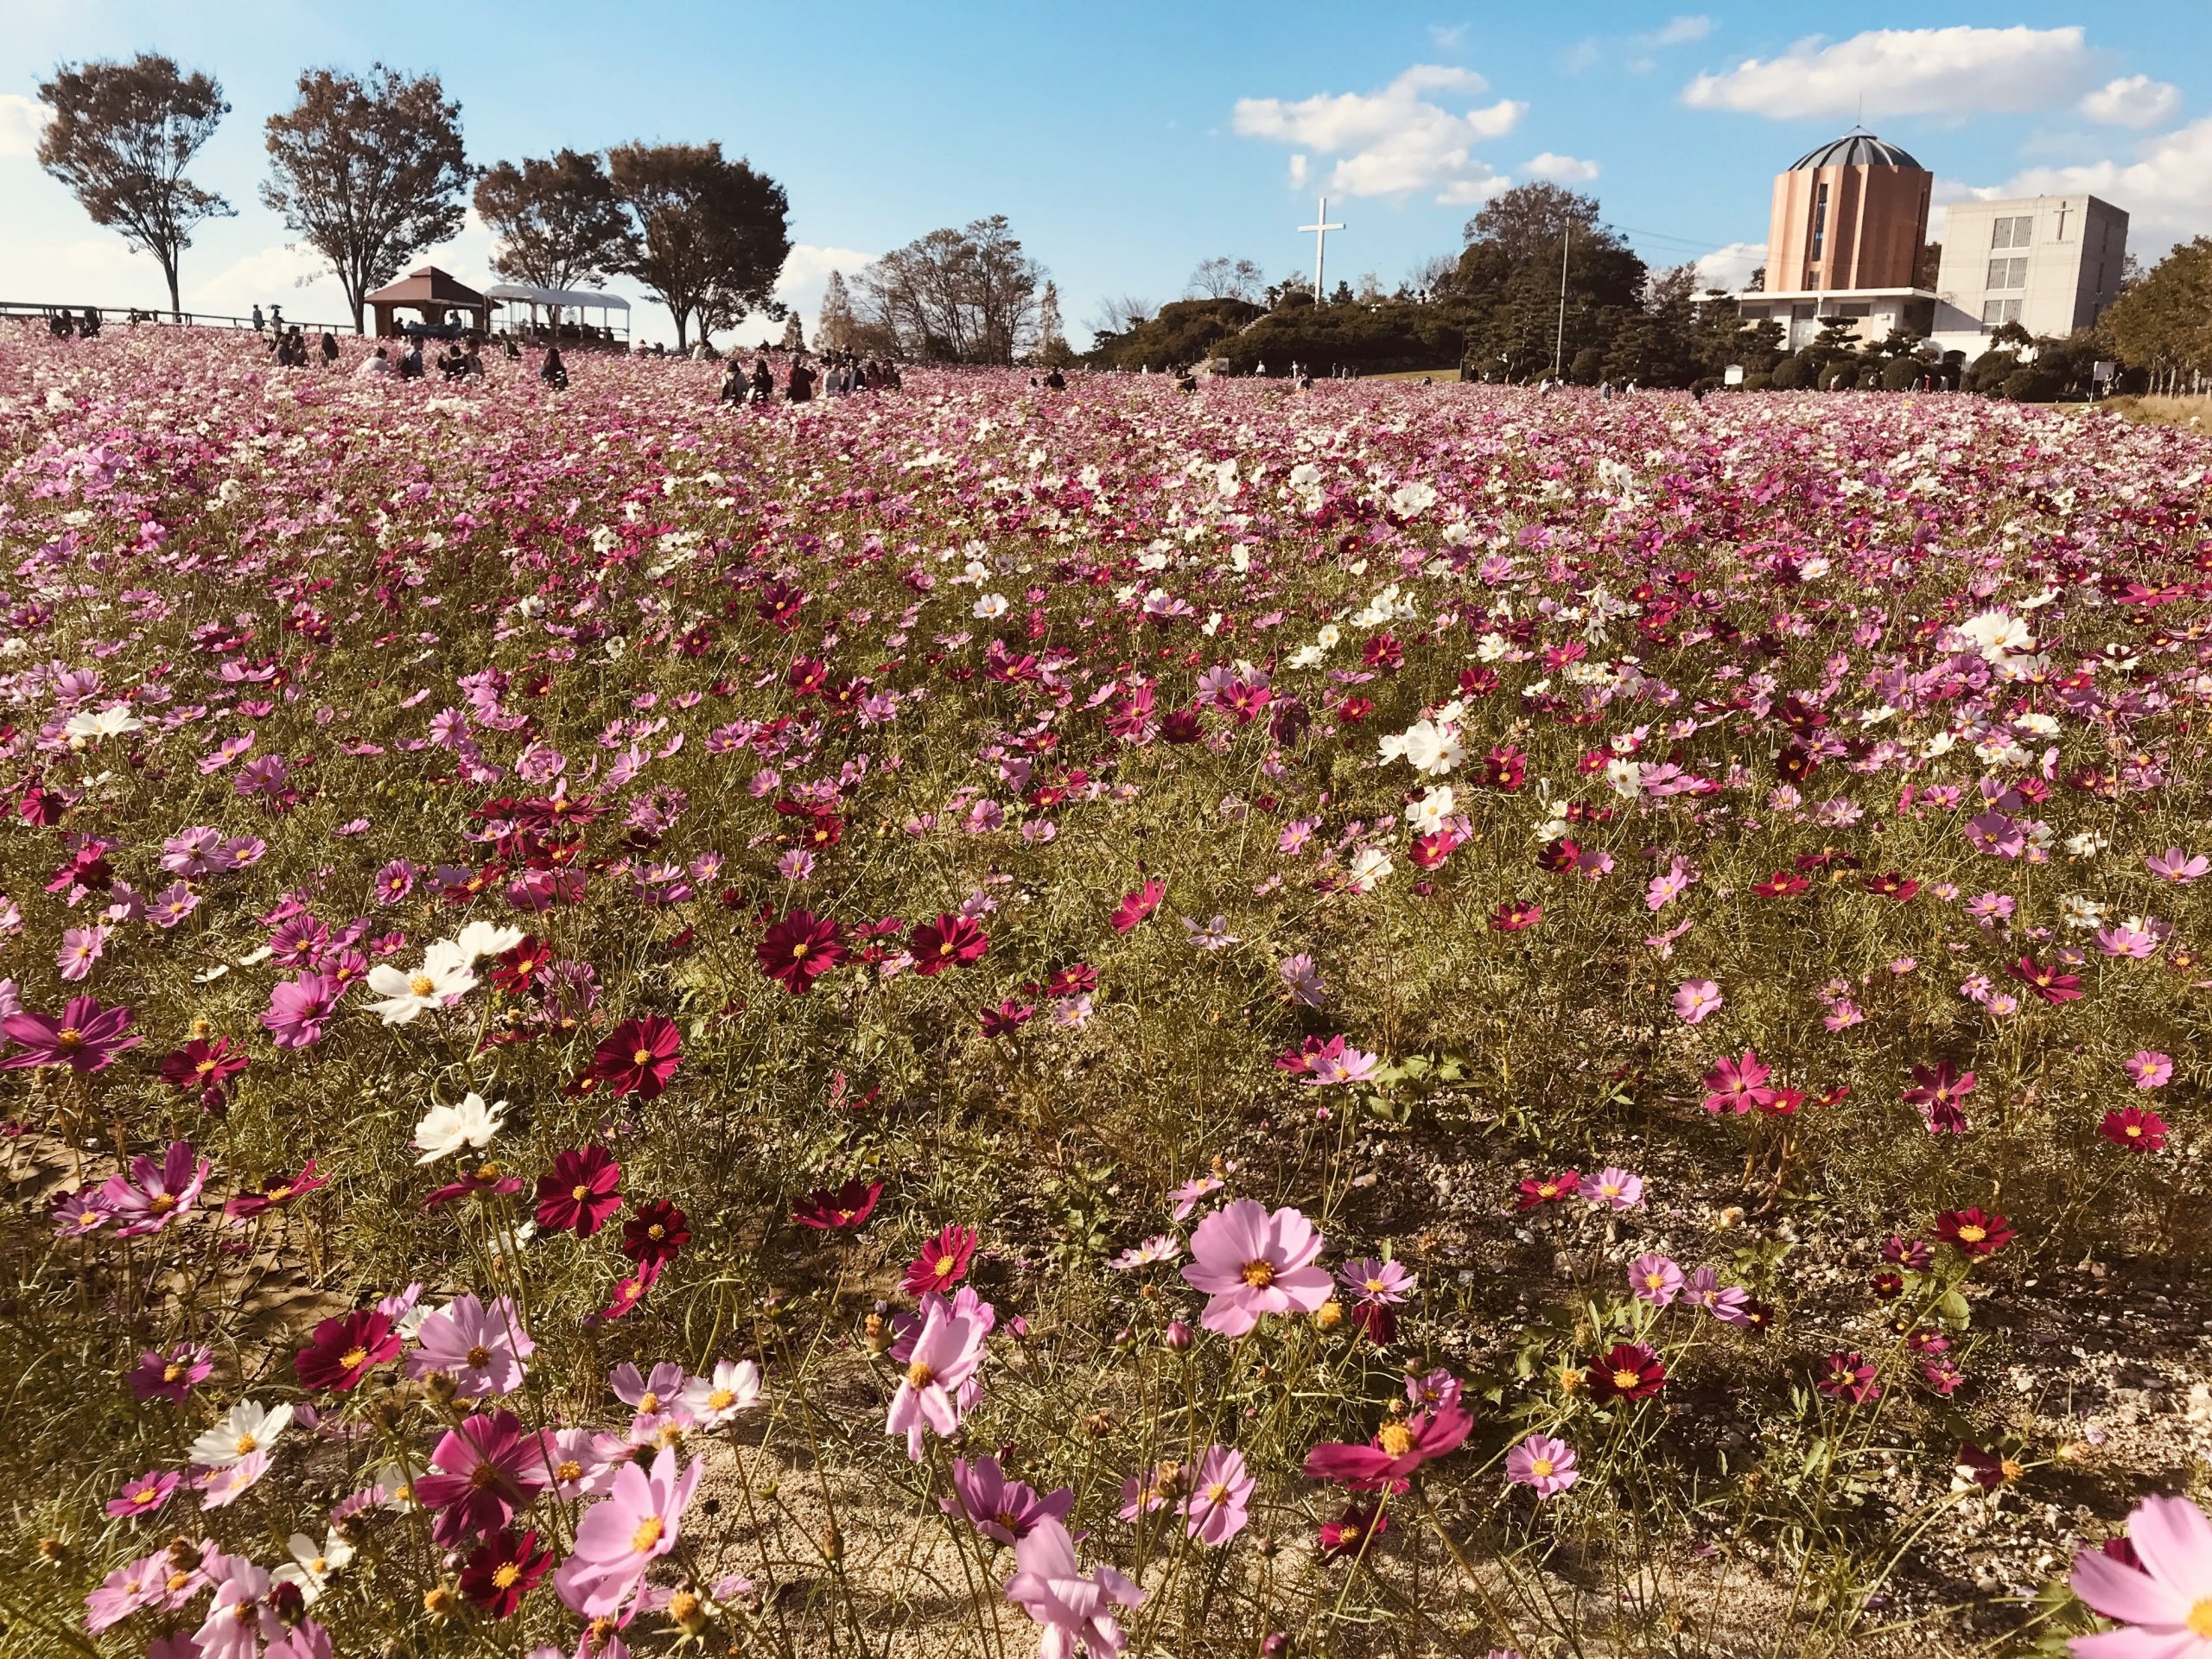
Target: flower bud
{"x": 1177, "y": 1336}
{"x": 878, "y": 1331}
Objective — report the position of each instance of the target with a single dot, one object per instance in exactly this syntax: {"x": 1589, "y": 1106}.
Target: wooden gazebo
{"x": 433, "y": 293}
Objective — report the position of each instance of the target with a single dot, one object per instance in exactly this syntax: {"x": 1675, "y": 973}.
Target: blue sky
{"x": 1127, "y": 142}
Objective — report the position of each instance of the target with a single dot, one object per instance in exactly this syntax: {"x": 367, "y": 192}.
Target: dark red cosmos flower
{"x": 344, "y": 1348}
{"x": 519, "y": 967}
{"x": 638, "y": 1057}
{"x": 1135, "y": 906}
{"x": 1399, "y": 1447}
{"x": 1549, "y": 1189}
{"x": 800, "y": 949}
{"x": 1892, "y": 886}
{"x": 1007, "y": 1019}
{"x": 1987, "y": 1470}
{"x": 656, "y": 1230}
{"x": 806, "y": 676}
{"x": 943, "y": 1263}
{"x": 2134, "y": 1128}
{"x": 1915, "y": 1254}
{"x": 1377, "y": 1321}
{"x": 1181, "y": 725}
{"x": 1502, "y": 768}
{"x": 630, "y": 1290}
{"x": 1781, "y": 885}
{"x": 1560, "y": 857}
{"x": 1627, "y": 1370}
{"x": 1973, "y": 1231}
{"x": 824, "y": 828}
{"x": 1074, "y": 981}
{"x": 486, "y": 1179}
{"x": 2046, "y": 982}
{"x": 246, "y": 1205}
{"x": 948, "y": 942}
{"x": 578, "y": 1193}
{"x": 204, "y": 1065}
{"x": 1514, "y": 917}
{"x": 1348, "y": 1533}
{"x": 1848, "y": 1375}
{"x": 850, "y": 1205}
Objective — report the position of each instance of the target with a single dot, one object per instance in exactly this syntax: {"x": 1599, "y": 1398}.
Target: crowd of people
{"x": 842, "y": 374}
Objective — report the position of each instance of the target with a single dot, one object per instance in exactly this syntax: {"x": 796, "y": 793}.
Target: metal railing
{"x": 130, "y": 314}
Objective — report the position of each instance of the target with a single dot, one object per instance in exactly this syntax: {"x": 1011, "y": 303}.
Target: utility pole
{"x": 1559, "y": 340}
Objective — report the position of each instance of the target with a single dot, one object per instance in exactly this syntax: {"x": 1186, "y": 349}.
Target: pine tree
{"x": 794, "y": 334}
{"x": 835, "y": 329}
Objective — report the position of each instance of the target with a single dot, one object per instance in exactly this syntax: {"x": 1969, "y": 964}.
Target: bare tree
{"x": 367, "y": 173}
{"x": 1119, "y": 314}
{"x": 1224, "y": 278}
{"x": 121, "y": 137}
{"x": 559, "y": 221}
{"x": 1430, "y": 278}
{"x": 962, "y": 297}
{"x": 836, "y": 329}
{"x": 1052, "y": 343}
{"x": 710, "y": 233}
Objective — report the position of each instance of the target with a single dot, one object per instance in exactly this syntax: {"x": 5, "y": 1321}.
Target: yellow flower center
{"x": 2200, "y": 1618}
{"x": 1217, "y": 1493}
{"x": 1971, "y": 1233}
{"x": 1626, "y": 1379}
{"x": 721, "y": 1399}
{"x": 245, "y": 1445}
{"x": 420, "y": 985}
{"x": 579, "y": 1191}
{"x": 504, "y": 1575}
{"x": 568, "y": 1469}
{"x": 643, "y": 1056}
{"x": 479, "y": 1356}
{"x": 920, "y": 1376}
{"x": 1377, "y": 1286}
{"x": 657, "y": 1232}
{"x": 352, "y": 1358}
{"x": 1654, "y": 1281}
{"x": 145, "y": 1495}
{"x": 171, "y": 1371}
{"x": 647, "y": 1534}
{"x": 1396, "y": 1438}
{"x": 1540, "y": 1467}
{"x": 68, "y": 1039}
{"x": 649, "y": 1401}
{"x": 1258, "y": 1274}
{"x": 162, "y": 1203}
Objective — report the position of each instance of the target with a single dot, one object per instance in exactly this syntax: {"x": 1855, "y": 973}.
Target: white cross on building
{"x": 1320, "y": 229}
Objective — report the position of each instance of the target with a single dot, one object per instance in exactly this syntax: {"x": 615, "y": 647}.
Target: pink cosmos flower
{"x": 486, "y": 1470}
{"x": 1006, "y": 1511}
{"x": 1696, "y": 998}
{"x": 1251, "y": 1264}
{"x": 1186, "y": 1197}
{"x": 1322, "y": 1063}
{"x": 647, "y": 1395}
{"x": 1738, "y": 1086}
{"x": 2150, "y": 1069}
{"x": 243, "y": 1615}
{"x": 1371, "y": 1280}
{"x": 1221, "y": 1491}
{"x": 481, "y": 1347}
{"x": 220, "y": 1488}
{"x": 1654, "y": 1278}
{"x": 153, "y": 1195}
{"x": 1996, "y": 835}
{"x": 1614, "y": 1189}
{"x": 1399, "y": 1447}
{"x": 1938, "y": 1090}
{"x": 620, "y": 1538}
{"x": 2176, "y": 866}
{"x": 85, "y": 1038}
{"x": 2163, "y": 1596}
{"x": 142, "y": 1496}
{"x": 171, "y": 1373}
{"x": 1544, "y": 1465}
{"x": 298, "y": 1007}
{"x": 947, "y": 1352}
{"x": 1077, "y": 1612}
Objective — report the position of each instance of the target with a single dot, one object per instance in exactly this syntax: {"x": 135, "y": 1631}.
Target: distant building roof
{"x": 572, "y": 298}
{"x": 1855, "y": 149}
{"x": 427, "y": 285}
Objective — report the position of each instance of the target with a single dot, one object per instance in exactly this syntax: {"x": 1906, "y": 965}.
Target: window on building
{"x": 2012, "y": 231}
{"x": 1819, "y": 218}
{"x": 1855, "y": 308}
{"x": 2007, "y": 273}
{"x": 1995, "y": 314}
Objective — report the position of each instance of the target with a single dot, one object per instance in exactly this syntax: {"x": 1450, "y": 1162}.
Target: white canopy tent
{"x": 555, "y": 301}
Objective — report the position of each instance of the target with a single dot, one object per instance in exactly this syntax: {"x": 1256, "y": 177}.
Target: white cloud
{"x": 2166, "y": 190}
{"x": 1396, "y": 141}
{"x": 1560, "y": 170}
{"x": 22, "y": 120}
{"x": 1730, "y": 267}
{"x": 1298, "y": 169}
{"x": 1680, "y": 31}
{"x": 805, "y": 275}
{"x": 2132, "y": 101}
{"x": 1448, "y": 37}
{"x": 1907, "y": 72}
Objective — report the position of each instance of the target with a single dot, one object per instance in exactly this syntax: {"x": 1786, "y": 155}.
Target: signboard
{"x": 1732, "y": 375}
{"x": 2103, "y": 371}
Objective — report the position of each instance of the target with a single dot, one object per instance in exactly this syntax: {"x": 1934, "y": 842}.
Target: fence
{"x": 130, "y": 314}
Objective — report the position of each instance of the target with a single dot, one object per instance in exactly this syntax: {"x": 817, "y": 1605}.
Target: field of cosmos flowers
{"x": 1403, "y": 1020}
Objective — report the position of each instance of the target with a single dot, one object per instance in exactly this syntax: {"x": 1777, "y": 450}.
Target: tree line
{"x": 369, "y": 171}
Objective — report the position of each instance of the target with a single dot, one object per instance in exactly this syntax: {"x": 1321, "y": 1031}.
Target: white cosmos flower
{"x": 312, "y": 1565}
{"x": 250, "y": 1427}
{"x": 734, "y": 1387}
{"x": 1431, "y": 749}
{"x": 114, "y": 720}
{"x": 990, "y": 607}
{"x": 445, "y": 974}
{"x": 447, "y": 1129}
{"x": 1430, "y": 812}
{"x": 481, "y": 939}
{"x": 1368, "y": 866}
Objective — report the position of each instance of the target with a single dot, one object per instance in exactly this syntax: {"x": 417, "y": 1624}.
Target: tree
{"x": 1051, "y": 345}
{"x": 710, "y": 236}
{"x": 961, "y": 296}
{"x": 836, "y": 329}
{"x": 367, "y": 173}
{"x": 1224, "y": 278}
{"x": 2164, "y": 322}
{"x": 1925, "y": 268}
{"x": 558, "y": 222}
{"x": 121, "y": 137}
{"x": 1529, "y": 219}
{"x": 794, "y": 334}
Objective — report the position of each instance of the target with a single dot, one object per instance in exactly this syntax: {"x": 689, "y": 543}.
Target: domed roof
{"x": 1855, "y": 149}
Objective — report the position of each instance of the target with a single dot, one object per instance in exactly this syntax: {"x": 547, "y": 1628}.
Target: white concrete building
{"x": 2050, "y": 263}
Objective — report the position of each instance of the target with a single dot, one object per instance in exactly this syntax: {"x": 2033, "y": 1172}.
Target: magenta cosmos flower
{"x": 1738, "y": 1086}
{"x": 153, "y": 1195}
{"x": 998, "y": 1507}
{"x": 622, "y": 1536}
{"x": 1372, "y": 1281}
{"x": 171, "y": 1373}
{"x": 487, "y": 1469}
{"x": 1250, "y": 1263}
{"x": 85, "y": 1037}
{"x": 2165, "y": 1600}
{"x": 1544, "y": 1465}
{"x": 1399, "y": 1447}
{"x": 1654, "y": 1278}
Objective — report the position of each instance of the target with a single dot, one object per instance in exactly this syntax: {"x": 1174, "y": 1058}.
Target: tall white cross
{"x": 1321, "y": 228}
